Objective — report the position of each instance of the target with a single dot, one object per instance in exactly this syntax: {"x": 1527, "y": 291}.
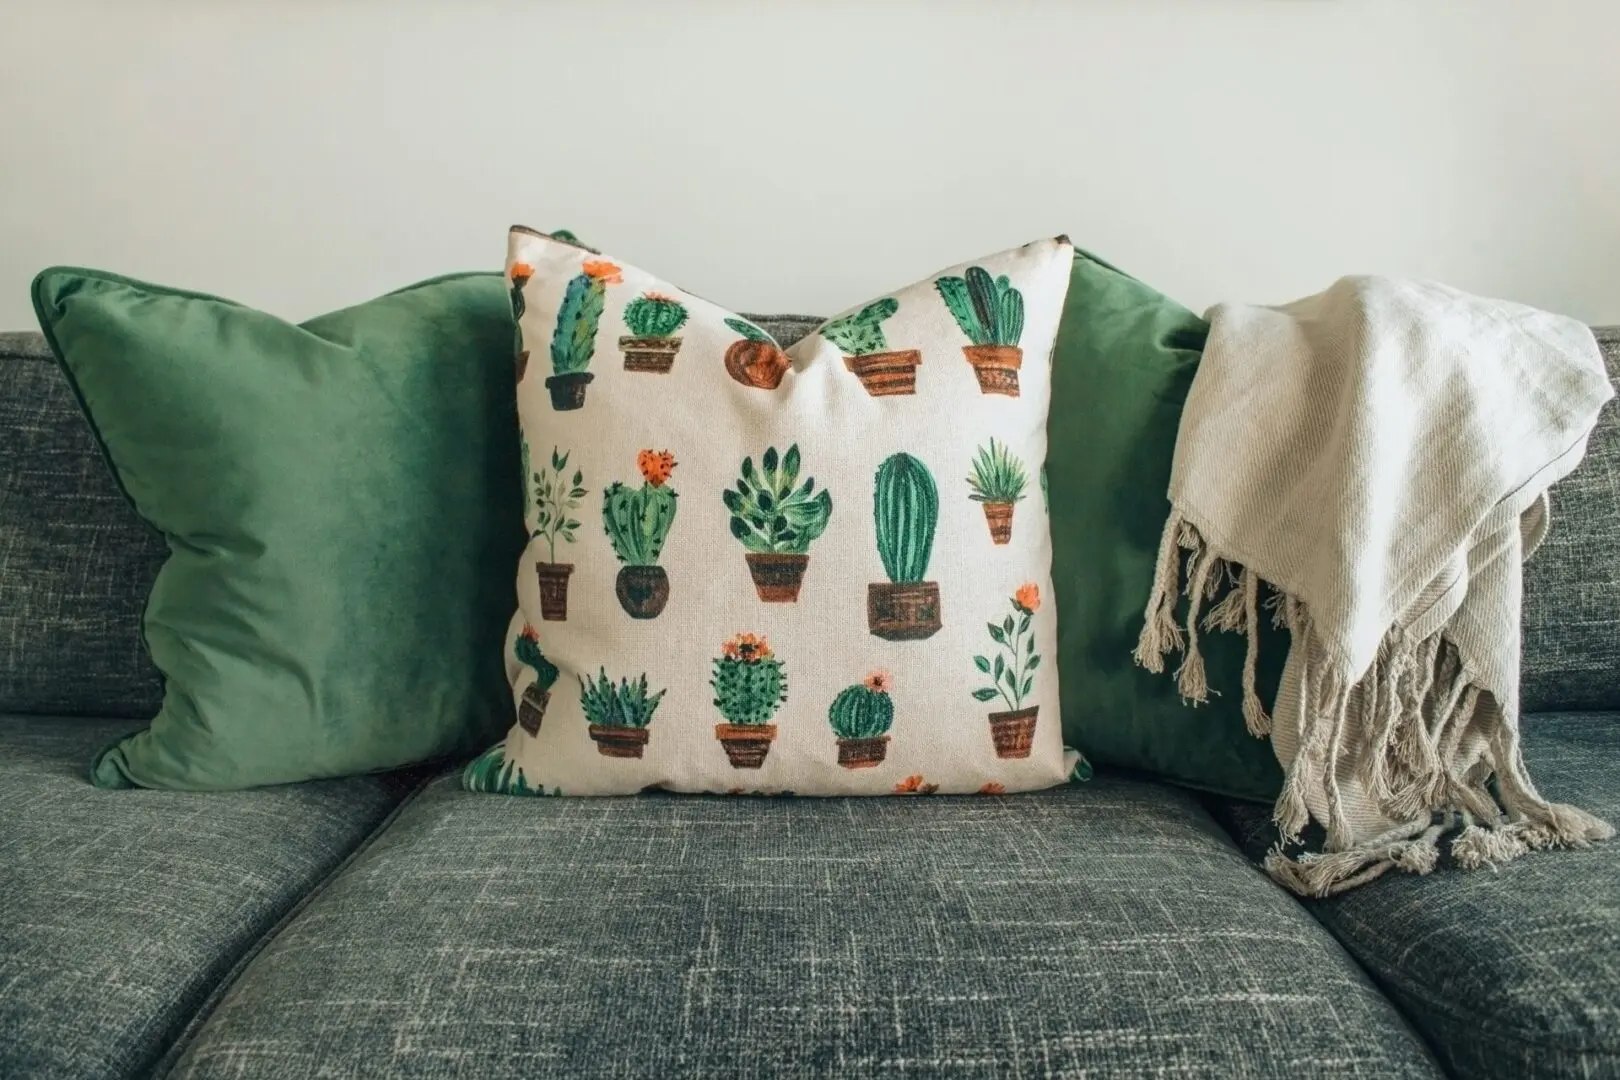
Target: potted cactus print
{"x": 866, "y": 351}
{"x": 991, "y": 313}
{"x": 652, "y": 319}
{"x": 861, "y": 716}
{"x": 618, "y": 714}
{"x": 748, "y": 689}
{"x": 637, "y": 521}
{"x": 1012, "y": 676}
{"x": 776, "y": 522}
{"x": 518, "y": 276}
{"x": 573, "y": 343}
{"x": 537, "y": 695}
{"x": 556, "y": 499}
{"x": 998, "y": 481}
{"x": 755, "y": 360}
{"x": 906, "y": 511}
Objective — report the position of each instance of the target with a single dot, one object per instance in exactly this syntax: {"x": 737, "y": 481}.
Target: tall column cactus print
{"x": 866, "y": 350}
{"x": 991, "y": 313}
{"x": 652, "y": 320}
{"x": 776, "y": 520}
{"x": 573, "y": 343}
{"x": 748, "y": 689}
{"x": 861, "y": 716}
{"x": 1012, "y": 675}
{"x": 517, "y": 277}
{"x": 637, "y": 521}
{"x": 755, "y": 359}
{"x": 905, "y": 509}
{"x": 537, "y": 695}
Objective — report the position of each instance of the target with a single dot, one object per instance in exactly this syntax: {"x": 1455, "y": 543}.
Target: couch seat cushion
{"x": 120, "y": 910}
{"x": 1108, "y": 929}
{"x": 1514, "y": 973}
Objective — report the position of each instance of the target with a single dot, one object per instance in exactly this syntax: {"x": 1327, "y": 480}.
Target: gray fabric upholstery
{"x": 1108, "y": 929}
{"x": 1509, "y": 974}
{"x": 1572, "y": 585}
{"x": 119, "y": 910}
{"x": 76, "y": 563}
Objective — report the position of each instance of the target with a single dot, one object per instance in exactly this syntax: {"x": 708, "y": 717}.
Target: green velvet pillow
{"x": 1124, "y": 360}
{"x": 340, "y": 503}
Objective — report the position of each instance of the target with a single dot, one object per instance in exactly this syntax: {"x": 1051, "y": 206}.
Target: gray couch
{"x": 391, "y": 925}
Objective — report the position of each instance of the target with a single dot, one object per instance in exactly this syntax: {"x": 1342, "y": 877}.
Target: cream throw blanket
{"x": 1372, "y": 464}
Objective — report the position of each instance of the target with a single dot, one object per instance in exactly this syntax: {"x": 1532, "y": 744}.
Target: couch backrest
{"x": 76, "y": 563}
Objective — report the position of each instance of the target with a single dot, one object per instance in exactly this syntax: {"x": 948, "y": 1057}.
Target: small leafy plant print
{"x": 517, "y": 276}
{"x": 748, "y": 689}
{"x": 997, "y": 482}
{"x": 652, "y": 320}
{"x": 906, "y": 512}
{"x": 532, "y": 707}
{"x": 1012, "y": 675}
{"x": 861, "y": 716}
{"x": 915, "y": 785}
{"x": 637, "y": 521}
{"x": 573, "y": 343}
{"x": 618, "y": 714}
{"x": 991, "y": 313}
{"x": 776, "y": 522}
{"x": 866, "y": 351}
{"x": 556, "y": 500}
{"x": 756, "y": 359}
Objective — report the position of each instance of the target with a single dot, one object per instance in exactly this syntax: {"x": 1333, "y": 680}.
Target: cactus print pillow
{"x": 824, "y": 570}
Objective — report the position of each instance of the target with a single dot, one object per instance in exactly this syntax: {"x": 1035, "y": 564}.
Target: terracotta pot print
{"x": 568, "y": 391}
{"x": 532, "y": 708}
{"x": 887, "y": 373}
{"x": 553, "y": 589}
{"x": 652, "y": 354}
{"x": 907, "y": 611}
{"x": 999, "y": 516}
{"x": 642, "y": 590}
{"x": 619, "y": 742}
{"x": 862, "y": 753}
{"x": 746, "y": 744}
{"x": 996, "y": 366}
{"x": 756, "y": 363}
{"x": 777, "y": 577}
{"x": 522, "y": 364}
{"x": 1013, "y": 732}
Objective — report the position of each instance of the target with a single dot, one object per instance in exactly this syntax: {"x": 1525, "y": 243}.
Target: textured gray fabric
{"x": 1509, "y": 974}
{"x": 76, "y": 563}
{"x": 1108, "y": 929}
{"x": 119, "y": 910}
{"x": 786, "y": 329}
{"x": 1572, "y": 585}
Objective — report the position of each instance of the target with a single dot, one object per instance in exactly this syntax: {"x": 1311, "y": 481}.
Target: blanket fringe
{"x": 1415, "y": 709}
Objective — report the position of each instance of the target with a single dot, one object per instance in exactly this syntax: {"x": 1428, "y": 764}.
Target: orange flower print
{"x": 529, "y": 633}
{"x": 747, "y": 648}
{"x": 604, "y": 271}
{"x": 881, "y": 681}
{"x": 1028, "y": 598}
{"x": 520, "y": 272}
{"x": 993, "y": 788}
{"x": 655, "y": 466}
{"x": 913, "y": 785}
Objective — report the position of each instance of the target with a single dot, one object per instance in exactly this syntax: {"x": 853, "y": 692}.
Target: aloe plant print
{"x": 617, "y": 714}
{"x": 997, "y": 483}
{"x": 493, "y": 773}
{"x": 906, "y": 512}
{"x": 776, "y": 518}
{"x": 990, "y": 311}
{"x": 1012, "y": 675}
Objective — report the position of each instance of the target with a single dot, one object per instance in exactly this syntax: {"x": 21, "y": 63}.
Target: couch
{"x": 392, "y": 925}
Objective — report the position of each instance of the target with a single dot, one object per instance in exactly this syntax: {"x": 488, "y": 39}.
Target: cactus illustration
{"x": 637, "y": 521}
{"x": 518, "y": 276}
{"x": 905, "y": 509}
{"x": 861, "y": 716}
{"x": 537, "y": 695}
{"x": 748, "y": 689}
{"x": 654, "y": 315}
{"x": 866, "y": 351}
{"x": 573, "y": 342}
{"x": 990, "y": 311}
{"x": 861, "y": 334}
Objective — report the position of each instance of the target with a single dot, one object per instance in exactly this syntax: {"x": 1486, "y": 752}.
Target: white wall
{"x": 300, "y": 156}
